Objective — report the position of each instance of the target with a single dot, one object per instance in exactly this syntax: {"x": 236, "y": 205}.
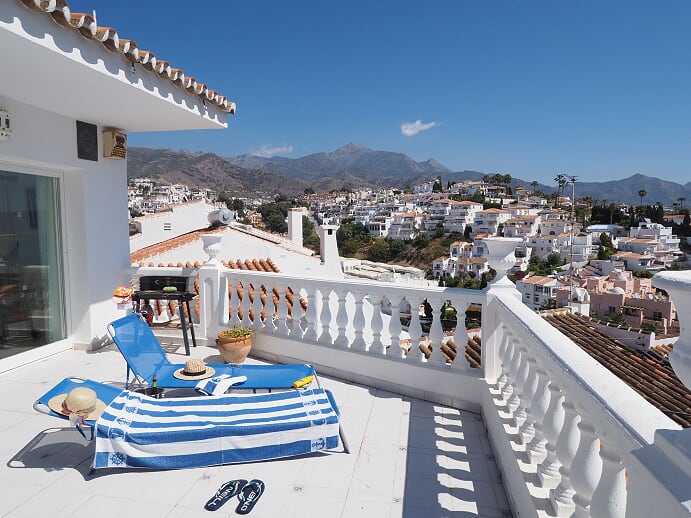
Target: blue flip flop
{"x": 249, "y": 496}
{"x": 225, "y": 493}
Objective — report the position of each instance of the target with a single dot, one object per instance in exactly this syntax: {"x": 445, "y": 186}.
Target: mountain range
{"x": 354, "y": 166}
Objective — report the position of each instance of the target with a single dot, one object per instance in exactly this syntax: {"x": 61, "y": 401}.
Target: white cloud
{"x": 267, "y": 151}
{"x": 413, "y": 128}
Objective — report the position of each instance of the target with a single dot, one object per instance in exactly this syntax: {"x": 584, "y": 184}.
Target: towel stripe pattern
{"x": 136, "y": 431}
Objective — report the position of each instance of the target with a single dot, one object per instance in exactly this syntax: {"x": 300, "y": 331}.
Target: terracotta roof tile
{"x": 85, "y": 24}
{"x": 647, "y": 372}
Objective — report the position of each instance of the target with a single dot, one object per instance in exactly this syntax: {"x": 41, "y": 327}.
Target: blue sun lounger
{"x": 106, "y": 393}
{"x": 145, "y": 357}
{"x": 138, "y": 431}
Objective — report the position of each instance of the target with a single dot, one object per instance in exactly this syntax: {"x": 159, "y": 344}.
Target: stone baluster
{"x": 234, "y": 319}
{"x": 586, "y": 468}
{"x": 436, "y": 332}
{"x": 609, "y": 498}
{"x": 342, "y": 318}
{"x": 526, "y": 430}
{"x": 310, "y": 324}
{"x": 548, "y": 471}
{"x": 325, "y": 318}
{"x": 282, "y": 328}
{"x": 395, "y": 328}
{"x": 358, "y": 343}
{"x": 246, "y": 304}
{"x": 505, "y": 359}
{"x": 460, "y": 337}
{"x": 415, "y": 330}
{"x": 513, "y": 362}
{"x": 296, "y": 331}
{"x": 377, "y": 325}
{"x": 561, "y": 497}
{"x": 268, "y": 308}
{"x": 537, "y": 450}
{"x": 515, "y": 403}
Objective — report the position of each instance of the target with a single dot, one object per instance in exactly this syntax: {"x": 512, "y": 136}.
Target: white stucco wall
{"x": 182, "y": 219}
{"x": 93, "y": 200}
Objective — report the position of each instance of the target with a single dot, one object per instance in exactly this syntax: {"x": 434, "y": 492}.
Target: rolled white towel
{"x": 218, "y": 384}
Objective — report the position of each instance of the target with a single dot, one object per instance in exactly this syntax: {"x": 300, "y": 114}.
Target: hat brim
{"x": 55, "y": 404}
{"x": 122, "y": 300}
{"x": 180, "y": 374}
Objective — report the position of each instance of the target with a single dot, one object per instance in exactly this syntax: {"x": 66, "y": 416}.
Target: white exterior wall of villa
{"x": 93, "y": 202}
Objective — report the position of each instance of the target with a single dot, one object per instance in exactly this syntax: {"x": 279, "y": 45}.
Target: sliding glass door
{"x": 31, "y": 280}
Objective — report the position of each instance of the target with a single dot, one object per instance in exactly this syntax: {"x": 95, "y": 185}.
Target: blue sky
{"x": 600, "y": 90}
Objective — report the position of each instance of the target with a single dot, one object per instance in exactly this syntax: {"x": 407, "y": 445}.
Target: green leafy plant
{"x": 236, "y": 332}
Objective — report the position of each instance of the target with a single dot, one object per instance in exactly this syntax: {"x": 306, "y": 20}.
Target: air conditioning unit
{"x": 114, "y": 145}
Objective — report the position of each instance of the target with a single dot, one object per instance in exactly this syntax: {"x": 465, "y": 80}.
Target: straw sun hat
{"x": 194, "y": 369}
{"x": 80, "y": 401}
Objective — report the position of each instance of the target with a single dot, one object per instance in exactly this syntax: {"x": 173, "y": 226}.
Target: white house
{"x": 76, "y": 90}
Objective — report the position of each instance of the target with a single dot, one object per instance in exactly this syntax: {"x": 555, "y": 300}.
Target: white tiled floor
{"x": 408, "y": 458}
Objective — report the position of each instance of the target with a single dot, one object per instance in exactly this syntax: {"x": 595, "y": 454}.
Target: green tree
{"x": 379, "y": 251}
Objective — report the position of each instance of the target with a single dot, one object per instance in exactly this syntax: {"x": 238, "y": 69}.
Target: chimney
{"x": 295, "y": 225}
{"x": 327, "y": 244}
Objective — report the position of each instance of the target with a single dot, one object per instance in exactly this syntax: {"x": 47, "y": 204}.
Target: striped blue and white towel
{"x": 136, "y": 431}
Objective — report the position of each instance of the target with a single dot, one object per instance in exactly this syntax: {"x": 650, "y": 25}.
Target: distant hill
{"x": 354, "y": 166}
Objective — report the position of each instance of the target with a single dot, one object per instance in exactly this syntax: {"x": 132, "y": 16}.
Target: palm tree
{"x": 681, "y": 201}
{"x": 642, "y": 193}
{"x": 534, "y": 183}
{"x": 561, "y": 183}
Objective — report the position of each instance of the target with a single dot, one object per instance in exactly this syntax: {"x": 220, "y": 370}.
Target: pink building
{"x": 635, "y": 298}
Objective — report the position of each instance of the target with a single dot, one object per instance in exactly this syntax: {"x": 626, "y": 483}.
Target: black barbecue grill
{"x": 154, "y": 287}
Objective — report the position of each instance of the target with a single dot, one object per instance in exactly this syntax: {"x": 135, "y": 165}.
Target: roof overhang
{"x": 54, "y": 68}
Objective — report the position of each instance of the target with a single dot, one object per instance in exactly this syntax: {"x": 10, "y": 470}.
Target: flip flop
{"x": 225, "y": 493}
{"x": 249, "y": 496}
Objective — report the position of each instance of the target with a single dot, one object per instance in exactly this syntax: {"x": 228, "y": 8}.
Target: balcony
{"x": 426, "y": 425}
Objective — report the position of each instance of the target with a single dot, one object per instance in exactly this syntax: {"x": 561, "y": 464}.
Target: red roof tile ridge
{"x": 88, "y": 27}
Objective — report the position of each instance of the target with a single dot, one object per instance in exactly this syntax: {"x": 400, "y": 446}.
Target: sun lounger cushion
{"x": 136, "y": 431}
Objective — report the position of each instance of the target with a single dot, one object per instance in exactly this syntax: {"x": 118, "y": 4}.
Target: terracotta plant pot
{"x": 234, "y": 350}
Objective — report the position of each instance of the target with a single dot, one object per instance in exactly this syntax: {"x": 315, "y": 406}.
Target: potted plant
{"x": 235, "y": 343}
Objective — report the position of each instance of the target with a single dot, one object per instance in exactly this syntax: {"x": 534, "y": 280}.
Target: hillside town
{"x": 599, "y": 270}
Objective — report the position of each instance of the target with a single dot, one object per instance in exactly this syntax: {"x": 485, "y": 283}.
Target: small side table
{"x": 183, "y": 298}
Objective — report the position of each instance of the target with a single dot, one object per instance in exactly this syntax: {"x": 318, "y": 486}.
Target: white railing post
{"x": 395, "y": 327}
{"x": 526, "y": 431}
{"x": 586, "y": 468}
{"x": 548, "y": 471}
{"x": 282, "y": 328}
{"x": 415, "y": 330}
{"x": 377, "y": 324}
{"x": 436, "y": 333}
{"x": 609, "y": 498}
{"x": 561, "y": 497}
{"x": 233, "y": 319}
{"x": 258, "y": 306}
{"x": 460, "y": 337}
{"x": 325, "y": 318}
{"x": 538, "y": 411}
{"x": 311, "y": 315}
{"x": 358, "y": 343}
{"x": 341, "y": 319}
